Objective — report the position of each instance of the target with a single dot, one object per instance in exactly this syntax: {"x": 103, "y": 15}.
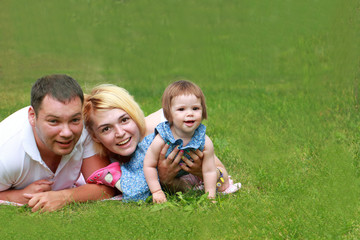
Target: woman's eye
{"x": 105, "y": 129}
{"x": 125, "y": 119}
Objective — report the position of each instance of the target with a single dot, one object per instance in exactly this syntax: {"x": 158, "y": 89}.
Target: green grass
{"x": 281, "y": 80}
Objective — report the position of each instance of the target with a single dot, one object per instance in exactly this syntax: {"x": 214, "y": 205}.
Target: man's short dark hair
{"x": 58, "y": 86}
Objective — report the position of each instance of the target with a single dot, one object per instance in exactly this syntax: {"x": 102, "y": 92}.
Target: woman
{"x": 117, "y": 126}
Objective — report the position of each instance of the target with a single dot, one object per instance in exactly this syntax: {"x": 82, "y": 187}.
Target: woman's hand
{"x": 169, "y": 167}
{"x": 193, "y": 165}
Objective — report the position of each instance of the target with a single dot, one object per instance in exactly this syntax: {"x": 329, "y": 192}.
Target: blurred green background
{"x": 281, "y": 82}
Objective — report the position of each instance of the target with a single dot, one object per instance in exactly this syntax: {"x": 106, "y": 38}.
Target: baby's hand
{"x": 159, "y": 197}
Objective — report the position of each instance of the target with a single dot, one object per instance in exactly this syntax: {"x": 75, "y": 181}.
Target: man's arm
{"x": 17, "y": 196}
{"x": 54, "y": 200}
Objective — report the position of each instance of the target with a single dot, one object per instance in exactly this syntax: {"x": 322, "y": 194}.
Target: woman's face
{"x": 116, "y": 131}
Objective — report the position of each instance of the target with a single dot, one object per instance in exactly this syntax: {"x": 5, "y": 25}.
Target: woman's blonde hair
{"x": 107, "y": 97}
{"x": 178, "y": 88}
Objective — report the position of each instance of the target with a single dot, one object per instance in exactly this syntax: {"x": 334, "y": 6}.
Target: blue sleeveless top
{"x": 197, "y": 141}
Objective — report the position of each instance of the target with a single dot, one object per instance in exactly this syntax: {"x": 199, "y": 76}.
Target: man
{"x": 44, "y": 148}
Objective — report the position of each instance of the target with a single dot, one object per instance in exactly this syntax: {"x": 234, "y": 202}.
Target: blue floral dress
{"x": 133, "y": 183}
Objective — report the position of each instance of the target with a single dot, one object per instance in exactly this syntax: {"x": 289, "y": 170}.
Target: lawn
{"x": 281, "y": 80}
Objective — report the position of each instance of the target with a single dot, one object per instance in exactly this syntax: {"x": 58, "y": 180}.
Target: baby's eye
{"x": 181, "y": 109}
{"x": 196, "y": 108}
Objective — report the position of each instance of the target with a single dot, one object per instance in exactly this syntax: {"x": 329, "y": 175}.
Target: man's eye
{"x": 53, "y": 121}
{"x": 76, "y": 120}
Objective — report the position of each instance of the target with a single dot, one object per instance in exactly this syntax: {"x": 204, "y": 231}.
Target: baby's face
{"x": 186, "y": 111}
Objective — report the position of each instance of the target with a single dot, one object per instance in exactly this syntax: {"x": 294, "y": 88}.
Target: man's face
{"x": 57, "y": 127}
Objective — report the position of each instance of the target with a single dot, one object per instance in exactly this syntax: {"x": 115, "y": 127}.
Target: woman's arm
{"x": 152, "y": 121}
{"x": 168, "y": 168}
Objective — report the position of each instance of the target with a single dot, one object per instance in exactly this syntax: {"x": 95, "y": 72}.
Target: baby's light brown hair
{"x": 178, "y": 88}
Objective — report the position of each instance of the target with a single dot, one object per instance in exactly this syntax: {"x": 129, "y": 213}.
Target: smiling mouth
{"x": 64, "y": 143}
{"x": 124, "y": 142}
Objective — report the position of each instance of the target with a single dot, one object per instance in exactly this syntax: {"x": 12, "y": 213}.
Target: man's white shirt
{"x": 20, "y": 160}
